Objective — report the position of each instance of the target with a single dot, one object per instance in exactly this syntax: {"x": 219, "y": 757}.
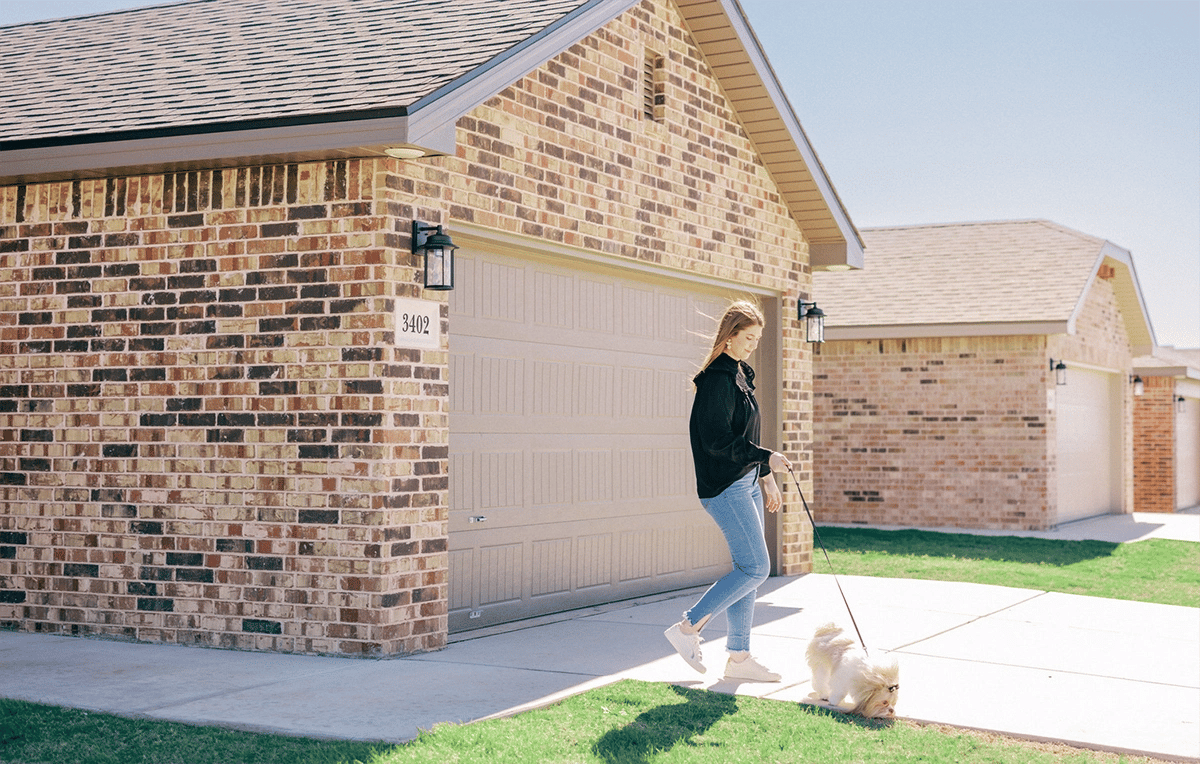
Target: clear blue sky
{"x": 1084, "y": 112}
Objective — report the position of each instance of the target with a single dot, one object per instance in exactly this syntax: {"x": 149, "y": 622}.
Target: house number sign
{"x": 418, "y": 324}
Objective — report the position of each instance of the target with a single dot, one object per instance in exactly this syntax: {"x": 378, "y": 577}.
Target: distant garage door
{"x": 1089, "y": 421}
{"x": 571, "y": 481}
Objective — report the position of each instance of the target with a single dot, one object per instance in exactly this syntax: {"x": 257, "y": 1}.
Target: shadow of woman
{"x": 666, "y": 726}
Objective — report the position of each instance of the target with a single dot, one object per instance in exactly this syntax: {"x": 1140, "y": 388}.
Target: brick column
{"x": 1154, "y": 446}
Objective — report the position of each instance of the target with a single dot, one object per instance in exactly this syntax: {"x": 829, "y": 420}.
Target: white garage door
{"x": 1089, "y": 421}
{"x": 571, "y": 481}
{"x": 1187, "y": 455}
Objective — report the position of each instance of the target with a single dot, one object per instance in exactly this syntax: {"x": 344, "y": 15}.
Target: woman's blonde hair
{"x": 741, "y": 314}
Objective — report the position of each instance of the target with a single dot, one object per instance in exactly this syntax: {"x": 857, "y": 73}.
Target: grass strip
{"x": 1156, "y": 570}
{"x": 629, "y": 721}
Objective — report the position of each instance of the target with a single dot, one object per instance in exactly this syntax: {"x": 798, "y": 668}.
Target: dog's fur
{"x": 845, "y": 676}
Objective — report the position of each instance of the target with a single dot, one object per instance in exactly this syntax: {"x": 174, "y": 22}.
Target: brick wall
{"x": 932, "y": 432}
{"x": 207, "y": 435}
{"x": 208, "y": 438}
{"x": 1154, "y": 446}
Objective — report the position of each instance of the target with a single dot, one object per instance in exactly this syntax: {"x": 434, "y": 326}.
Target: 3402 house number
{"x": 414, "y": 323}
{"x": 418, "y": 324}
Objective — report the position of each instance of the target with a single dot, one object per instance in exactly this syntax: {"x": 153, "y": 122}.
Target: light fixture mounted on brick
{"x": 1060, "y": 371}
{"x": 1139, "y": 386}
{"x": 814, "y": 321}
{"x": 439, "y": 255}
{"x": 405, "y": 152}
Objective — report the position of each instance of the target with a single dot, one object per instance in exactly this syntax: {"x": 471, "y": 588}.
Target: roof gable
{"x": 228, "y": 82}
{"x": 964, "y": 279}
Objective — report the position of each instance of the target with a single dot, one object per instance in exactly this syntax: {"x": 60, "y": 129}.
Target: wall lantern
{"x": 1180, "y": 405}
{"x": 439, "y": 255}
{"x": 1139, "y": 386}
{"x": 814, "y": 321}
{"x": 1060, "y": 371}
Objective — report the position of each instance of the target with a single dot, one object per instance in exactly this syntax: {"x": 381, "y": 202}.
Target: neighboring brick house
{"x": 935, "y": 403}
{"x": 1166, "y": 422}
{"x": 226, "y": 417}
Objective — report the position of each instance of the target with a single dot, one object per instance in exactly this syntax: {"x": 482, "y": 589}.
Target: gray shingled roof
{"x": 1019, "y": 273}
{"x": 224, "y": 82}
{"x": 233, "y": 61}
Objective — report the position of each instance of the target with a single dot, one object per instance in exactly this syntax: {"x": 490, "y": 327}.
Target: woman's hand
{"x": 771, "y": 496}
{"x": 779, "y": 463}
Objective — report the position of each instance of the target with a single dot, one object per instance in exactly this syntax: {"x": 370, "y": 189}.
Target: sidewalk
{"x": 1106, "y": 674}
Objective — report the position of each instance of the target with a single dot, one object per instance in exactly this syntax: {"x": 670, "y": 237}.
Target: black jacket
{"x": 725, "y": 426}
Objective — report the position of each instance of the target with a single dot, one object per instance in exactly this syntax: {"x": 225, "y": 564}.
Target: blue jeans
{"x": 738, "y": 512}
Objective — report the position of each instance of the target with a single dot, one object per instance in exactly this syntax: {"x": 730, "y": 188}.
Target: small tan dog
{"x": 848, "y": 679}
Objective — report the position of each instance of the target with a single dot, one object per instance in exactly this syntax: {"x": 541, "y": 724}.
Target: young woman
{"x": 732, "y": 474}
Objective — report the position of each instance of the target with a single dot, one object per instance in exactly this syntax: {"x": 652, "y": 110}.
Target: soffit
{"x": 739, "y": 64}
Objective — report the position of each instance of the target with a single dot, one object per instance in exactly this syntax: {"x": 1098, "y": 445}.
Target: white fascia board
{"x": 853, "y": 255}
{"x": 914, "y": 331}
{"x": 1179, "y": 372}
{"x": 1141, "y": 331}
{"x": 285, "y": 143}
{"x": 1138, "y": 327}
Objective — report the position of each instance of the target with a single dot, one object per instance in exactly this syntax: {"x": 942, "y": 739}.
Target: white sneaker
{"x": 687, "y": 645}
{"x": 749, "y": 670}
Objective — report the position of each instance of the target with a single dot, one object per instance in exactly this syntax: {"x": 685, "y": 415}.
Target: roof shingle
{"x": 1019, "y": 271}
{"x": 230, "y": 61}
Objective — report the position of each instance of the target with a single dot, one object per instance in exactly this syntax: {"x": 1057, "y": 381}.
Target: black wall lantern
{"x": 1060, "y": 371}
{"x": 1139, "y": 386}
{"x": 439, "y": 254}
{"x": 1181, "y": 405}
{"x": 814, "y": 321}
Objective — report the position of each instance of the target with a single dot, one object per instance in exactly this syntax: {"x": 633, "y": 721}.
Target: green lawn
{"x": 1156, "y": 570}
{"x": 626, "y": 722}
{"x": 645, "y": 722}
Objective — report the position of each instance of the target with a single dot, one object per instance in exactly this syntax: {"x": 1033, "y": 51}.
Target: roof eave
{"x": 1128, "y": 293}
{"x": 913, "y": 331}
{"x": 1179, "y": 372}
{"x": 834, "y": 242}
{"x": 427, "y": 124}
{"x": 228, "y": 147}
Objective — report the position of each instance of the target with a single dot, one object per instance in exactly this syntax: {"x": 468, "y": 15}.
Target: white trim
{"x": 266, "y": 145}
{"x": 1092, "y": 367}
{"x": 1180, "y": 372}
{"x": 506, "y": 243}
{"x": 913, "y": 331}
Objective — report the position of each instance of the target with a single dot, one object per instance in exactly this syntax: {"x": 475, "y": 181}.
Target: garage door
{"x": 1187, "y": 455}
{"x": 571, "y": 481}
{"x": 1089, "y": 420}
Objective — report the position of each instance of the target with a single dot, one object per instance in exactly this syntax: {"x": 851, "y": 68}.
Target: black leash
{"x": 817, "y": 536}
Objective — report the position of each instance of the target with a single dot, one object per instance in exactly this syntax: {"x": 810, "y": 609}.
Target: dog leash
{"x": 817, "y": 536}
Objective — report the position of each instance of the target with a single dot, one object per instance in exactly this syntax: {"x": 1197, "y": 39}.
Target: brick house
{"x": 230, "y": 413}
{"x": 1166, "y": 422}
{"x": 935, "y": 396}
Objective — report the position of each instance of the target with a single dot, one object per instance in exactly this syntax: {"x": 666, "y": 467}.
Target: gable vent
{"x": 653, "y": 98}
